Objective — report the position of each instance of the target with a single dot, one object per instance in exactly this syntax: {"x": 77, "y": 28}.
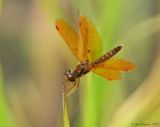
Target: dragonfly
{"x": 86, "y": 45}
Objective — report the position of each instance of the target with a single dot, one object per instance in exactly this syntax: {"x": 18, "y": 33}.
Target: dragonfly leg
{"x": 70, "y": 88}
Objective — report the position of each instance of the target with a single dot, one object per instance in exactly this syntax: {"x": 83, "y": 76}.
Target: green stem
{"x": 88, "y": 104}
{"x": 65, "y": 113}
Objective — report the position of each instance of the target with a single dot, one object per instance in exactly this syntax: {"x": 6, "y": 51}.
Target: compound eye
{"x": 69, "y": 76}
{"x": 68, "y": 72}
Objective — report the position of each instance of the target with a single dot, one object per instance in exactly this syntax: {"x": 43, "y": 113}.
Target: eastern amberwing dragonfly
{"x": 86, "y": 45}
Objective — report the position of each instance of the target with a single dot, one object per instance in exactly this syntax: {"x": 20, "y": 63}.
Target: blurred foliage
{"x": 1, "y": 5}
{"x": 5, "y": 117}
{"x": 34, "y": 58}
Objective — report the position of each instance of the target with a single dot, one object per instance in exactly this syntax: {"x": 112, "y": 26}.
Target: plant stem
{"x": 65, "y": 113}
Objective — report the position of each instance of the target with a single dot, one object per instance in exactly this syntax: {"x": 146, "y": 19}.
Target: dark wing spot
{"x": 57, "y": 27}
{"x": 125, "y": 70}
{"x": 76, "y": 49}
{"x": 102, "y": 65}
{"x": 88, "y": 50}
{"x": 79, "y": 23}
{"x": 109, "y": 79}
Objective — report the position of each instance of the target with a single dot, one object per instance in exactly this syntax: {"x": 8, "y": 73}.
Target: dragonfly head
{"x": 69, "y": 75}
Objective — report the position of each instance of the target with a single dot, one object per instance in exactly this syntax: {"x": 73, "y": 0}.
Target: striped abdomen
{"x": 106, "y": 56}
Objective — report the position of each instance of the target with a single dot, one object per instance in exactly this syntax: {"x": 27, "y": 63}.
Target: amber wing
{"x": 111, "y": 69}
{"x": 92, "y": 43}
{"x": 71, "y": 37}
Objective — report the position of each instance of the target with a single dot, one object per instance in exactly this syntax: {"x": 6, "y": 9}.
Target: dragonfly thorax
{"x": 81, "y": 69}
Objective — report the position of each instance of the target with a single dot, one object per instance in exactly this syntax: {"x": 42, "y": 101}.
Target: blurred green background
{"x": 33, "y": 59}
